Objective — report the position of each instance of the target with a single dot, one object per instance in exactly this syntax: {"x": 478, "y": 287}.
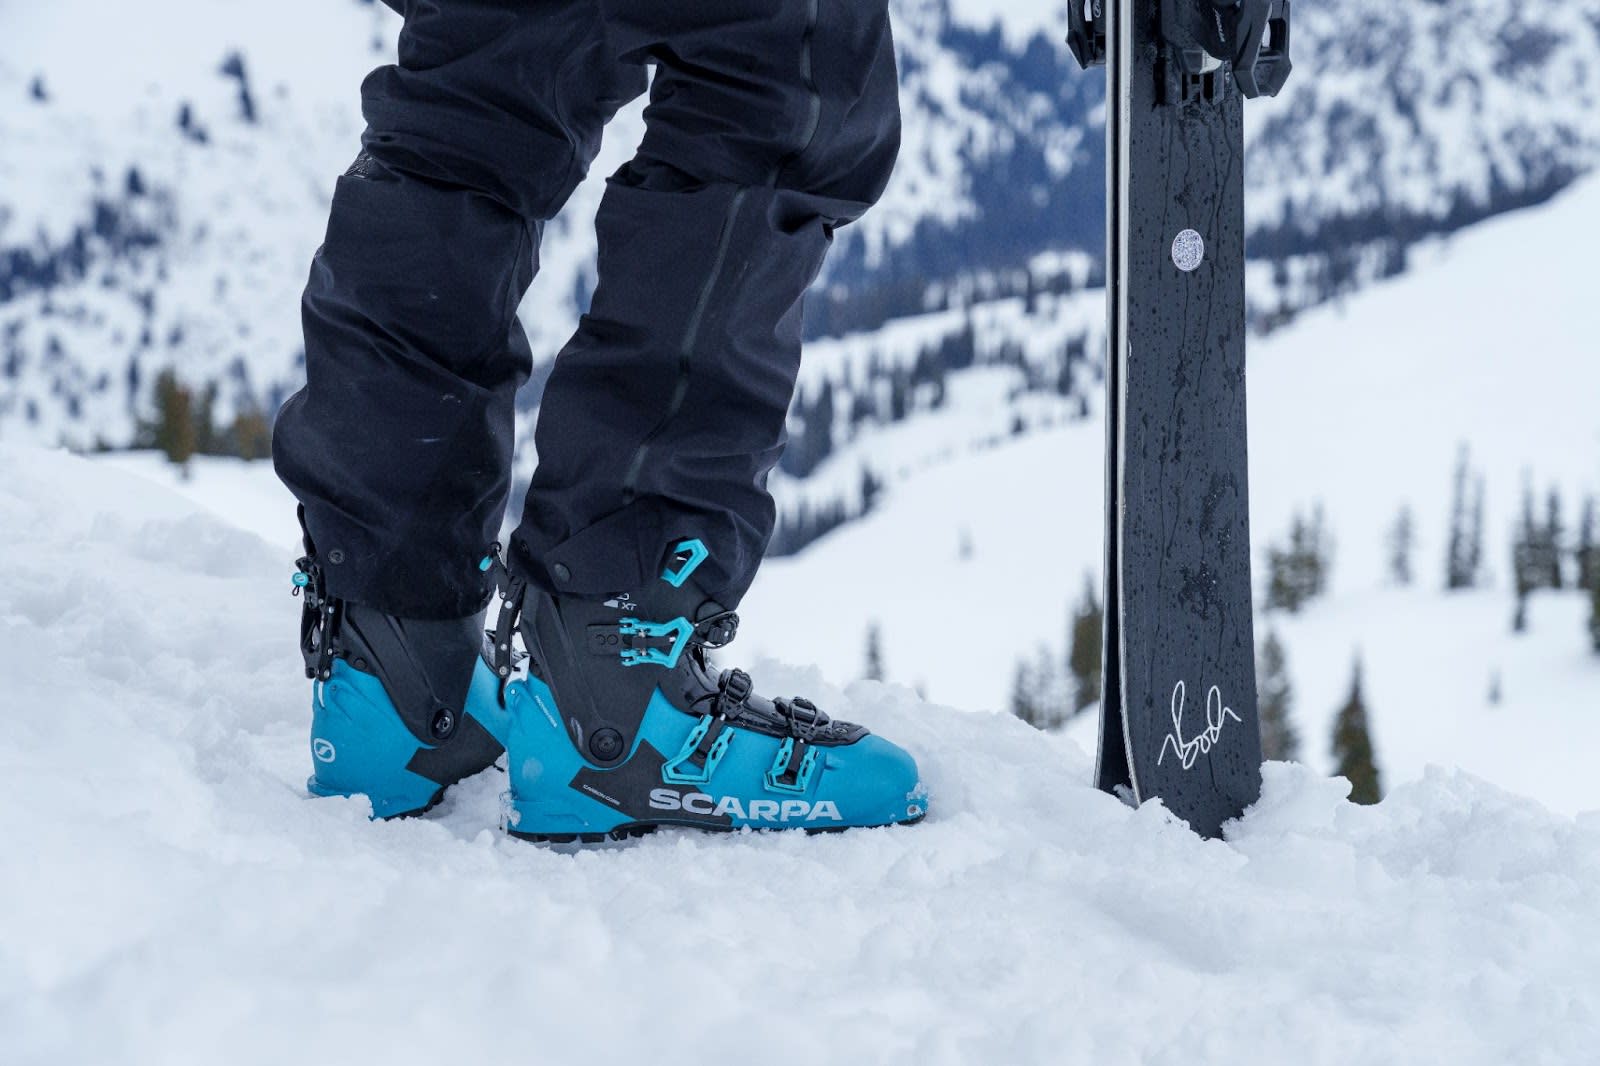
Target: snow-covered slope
{"x": 165, "y": 169}
{"x": 173, "y": 896}
{"x": 1360, "y": 406}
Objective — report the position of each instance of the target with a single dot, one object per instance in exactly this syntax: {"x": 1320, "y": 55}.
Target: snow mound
{"x": 172, "y": 895}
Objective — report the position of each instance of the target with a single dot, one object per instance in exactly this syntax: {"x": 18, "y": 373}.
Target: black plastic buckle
{"x": 717, "y": 631}
{"x": 511, "y": 591}
{"x": 736, "y": 687}
{"x": 319, "y": 619}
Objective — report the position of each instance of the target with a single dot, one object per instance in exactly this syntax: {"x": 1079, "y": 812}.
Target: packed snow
{"x": 172, "y": 895}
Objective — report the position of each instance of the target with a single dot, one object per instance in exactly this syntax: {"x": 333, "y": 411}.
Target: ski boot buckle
{"x": 702, "y": 751}
{"x": 679, "y": 630}
{"x": 792, "y": 768}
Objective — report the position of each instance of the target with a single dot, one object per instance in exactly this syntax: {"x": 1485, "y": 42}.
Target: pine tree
{"x": 875, "y": 670}
{"x": 1594, "y": 615}
{"x": 1299, "y": 573}
{"x": 251, "y": 435}
{"x": 1588, "y": 552}
{"x": 1052, "y": 687}
{"x": 1464, "y": 560}
{"x": 1317, "y": 558}
{"x": 1553, "y": 537}
{"x": 1083, "y": 655}
{"x": 1352, "y": 746}
{"x": 1275, "y": 699}
{"x": 1402, "y": 541}
{"x": 1024, "y": 695}
{"x": 1475, "y": 534}
{"x": 871, "y": 489}
{"x": 1524, "y": 560}
{"x": 1036, "y": 691}
{"x": 173, "y": 431}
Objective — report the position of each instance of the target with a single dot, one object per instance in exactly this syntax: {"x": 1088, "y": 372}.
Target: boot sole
{"x": 635, "y": 830}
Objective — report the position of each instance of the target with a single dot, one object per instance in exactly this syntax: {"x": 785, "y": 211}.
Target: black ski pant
{"x": 770, "y": 123}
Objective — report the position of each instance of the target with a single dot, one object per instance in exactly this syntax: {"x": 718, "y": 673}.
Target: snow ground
{"x": 171, "y": 895}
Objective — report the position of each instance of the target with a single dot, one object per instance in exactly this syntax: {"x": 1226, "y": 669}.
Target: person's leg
{"x": 771, "y": 123}
{"x": 399, "y": 447}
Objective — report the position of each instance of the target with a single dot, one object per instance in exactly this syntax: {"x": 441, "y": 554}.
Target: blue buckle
{"x": 697, "y": 754}
{"x": 785, "y": 776}
{"x": 697, "y": 552}
{"x": 678, "y": 629}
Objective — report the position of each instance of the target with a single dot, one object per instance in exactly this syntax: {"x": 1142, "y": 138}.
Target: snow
{"x": 172, "y": 895}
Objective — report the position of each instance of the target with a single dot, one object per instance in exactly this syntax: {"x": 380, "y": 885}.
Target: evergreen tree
{"x": 1464, "y": 554}
{"x": 1025, "y": 697}
{"x": 1352, "y": 746}
{"x": 1299, "y": 573}
{"x": 1475, "y": 534}
{"x": 1317, "y": 553}
{"x": 1525, "y": 563}
{"x": 1402, "y": 541}
{"x": 874, "y": 653}
{"x": 1036, "y": 691}
{"x": 1594, "y": 615}
{"x": 1552, "y": 541}
{"x": 251, "y": 434}
{"x": 871, "y": 490}
{"x": 819, "y": 424}
{"x": 205, "y": 423}
{"x": 173, "y": 432}
{"x": 1282, "y": 588}
{"x": 1083, "y": 655}
{"x": 1588, "y": 552}
{"x": 899, "y": 395}
{"x": 1275, "y": 699}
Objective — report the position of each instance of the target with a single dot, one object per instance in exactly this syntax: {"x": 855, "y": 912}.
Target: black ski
{"x": 1178, "y": 717}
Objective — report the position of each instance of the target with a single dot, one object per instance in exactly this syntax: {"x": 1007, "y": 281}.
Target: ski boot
{"x": 401, "y": 709}
{"x": 622, "y": 725}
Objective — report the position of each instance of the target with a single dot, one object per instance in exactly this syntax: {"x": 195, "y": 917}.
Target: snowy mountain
{"x": 164, "y": 178}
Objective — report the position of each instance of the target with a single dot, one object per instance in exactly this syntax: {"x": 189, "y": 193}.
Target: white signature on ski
{"x": 1189, "y": 751}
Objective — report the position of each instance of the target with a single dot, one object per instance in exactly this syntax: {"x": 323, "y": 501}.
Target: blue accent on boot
{"x": 868, "y": 783}
{"x": 682, "y": 771}
{"x": 679, "y": 629}
{"x": 697, "y": 552}
{"x": 780, "y": 767}
{"x": 359, "y": 746}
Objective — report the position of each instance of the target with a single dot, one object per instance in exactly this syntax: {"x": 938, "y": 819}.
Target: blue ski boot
{"x": 622, "y": 725}
{"x": 401, "y": 709}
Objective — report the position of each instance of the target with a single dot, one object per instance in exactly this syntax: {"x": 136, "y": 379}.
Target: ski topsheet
{"x": 1178, "y": 717}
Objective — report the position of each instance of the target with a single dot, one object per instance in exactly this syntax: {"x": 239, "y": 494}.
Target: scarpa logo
{"x": 322, "y": 749}
{"x": 793, "y": 810}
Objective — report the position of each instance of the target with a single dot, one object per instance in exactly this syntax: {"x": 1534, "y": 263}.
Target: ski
{"x": 1178, "y": 717}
